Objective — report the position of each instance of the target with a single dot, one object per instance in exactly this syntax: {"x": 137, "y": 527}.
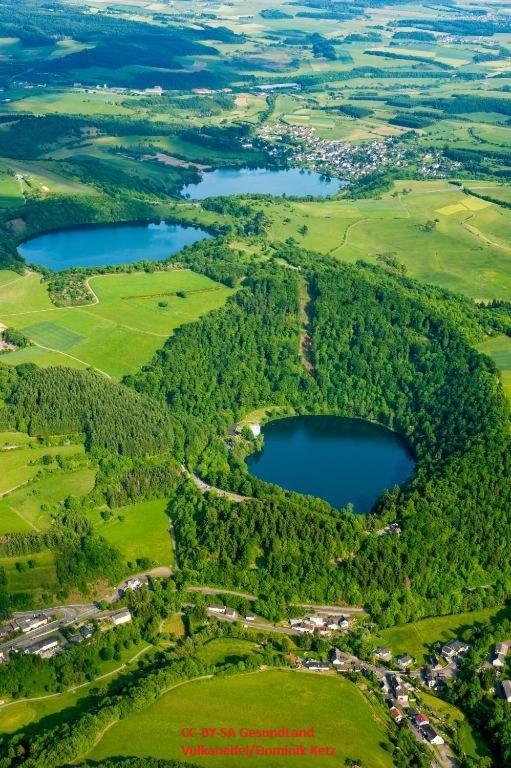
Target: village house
{"x": 431, "y": 735}
{"x": 396, "y": 714}
{"x": 250, "y": 617}
{"x": 506, "y": 690}
{"x": 418, "y": 718}
{"x": 123, "y": 616}
{"x": 216, "y": 609}
{"x": 303, "y": 627}
{"x": 454, "y": 649}
{"x": 316, "y": 666}
{"x": 405, "y": 661}
{"x": 335, "y": 657}
{"x": 230, "y": 613}
{"x": 499, "y": 655}
{"x": 45, "y": 648}
{"x": 384, "y": 654}
{"x": 30, "y": 623}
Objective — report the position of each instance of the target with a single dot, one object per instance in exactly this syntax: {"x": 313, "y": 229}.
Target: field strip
{"x": 28, "y": 522}
{"x": 113, "y": 324}
{"x": 71, "y": 357}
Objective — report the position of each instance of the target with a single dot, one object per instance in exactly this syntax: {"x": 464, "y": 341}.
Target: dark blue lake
{"x": 339, "y": 460}
{"x": 112, "y": 244}
{"x": 242, "y": 181}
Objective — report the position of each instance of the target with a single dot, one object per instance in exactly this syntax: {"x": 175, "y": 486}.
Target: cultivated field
{"x": 134, "y": 315}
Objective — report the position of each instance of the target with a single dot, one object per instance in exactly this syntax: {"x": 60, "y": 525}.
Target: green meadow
{"x": 418, "y": 637}
{"x": 439, "y": 234}
{"x": 335, "y": 707}
{"x": 139, "y": 531}
{"x": 37, "y": 576}
{"x": 134, "y": 315}
{"x": 21, "y": 464}
{"x": 29, "y": 508}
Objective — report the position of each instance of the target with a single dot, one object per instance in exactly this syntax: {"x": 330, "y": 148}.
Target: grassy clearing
{"x": 134, "y": 315}
{"x": 336, "y": 709}
{"x": 499, "y": 349}
{"x": 139, "y": 530}
{"x": 418, "y": 637}
{"x": 226, "y": 650}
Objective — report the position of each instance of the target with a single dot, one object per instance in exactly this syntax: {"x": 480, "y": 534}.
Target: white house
{"x": 133, "y": 584}
{"x": 216, "y": 609}
{"x": 123, "y": 616}
{"x": 32, "y": 622}
{"x": 506, "y": 690}
{"x": 44, "y": 648}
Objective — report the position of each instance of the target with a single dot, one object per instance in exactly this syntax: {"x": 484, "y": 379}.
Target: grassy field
{"x": 134, "y": 315}
{"x": 19, "y": 465}
{"x": 418, "y": 637}
{"x": 466, "y": 249}
{"x": 36, "y": 579}
{"x": 29, "y": 508}
{"x": 46, "y": 712}
{"x": 336, "y": 708}
{"x": 139, "y": 530}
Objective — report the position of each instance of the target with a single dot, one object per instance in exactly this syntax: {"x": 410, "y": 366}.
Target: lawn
{"x": 499, "y": 349}
{"x": 134, "y": 316}
{"x": 139, "y": 530}
{"x": 336, "y": 709}
{"x": 418, "y": 637}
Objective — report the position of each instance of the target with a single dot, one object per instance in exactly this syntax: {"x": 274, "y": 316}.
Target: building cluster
{"x": 301, "y": 146}
{"x": 48, "y": 639}
{"x": 397, "y": 697}
{"x": 320, "y": 625}
{"x": 498, "y": 660}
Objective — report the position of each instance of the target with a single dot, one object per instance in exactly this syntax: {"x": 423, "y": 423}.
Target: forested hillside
{"x": 382, "y": 349}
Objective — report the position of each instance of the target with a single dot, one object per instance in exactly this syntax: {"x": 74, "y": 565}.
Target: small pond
{"x": 105, "y": 245}
{"x": 268, "y": 181}
{"x": 340, "y": 460}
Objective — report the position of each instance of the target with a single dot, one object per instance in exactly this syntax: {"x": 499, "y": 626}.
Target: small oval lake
{"x": 112, "y": 244}
{"x": 267, "y": 181}
{"x": 340, "y": 460}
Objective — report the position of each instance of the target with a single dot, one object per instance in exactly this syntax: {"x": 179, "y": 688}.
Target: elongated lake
{"x": 339, "y": 460}
{"x": 294, "y": 182}
{"x": 105, "y": 245}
